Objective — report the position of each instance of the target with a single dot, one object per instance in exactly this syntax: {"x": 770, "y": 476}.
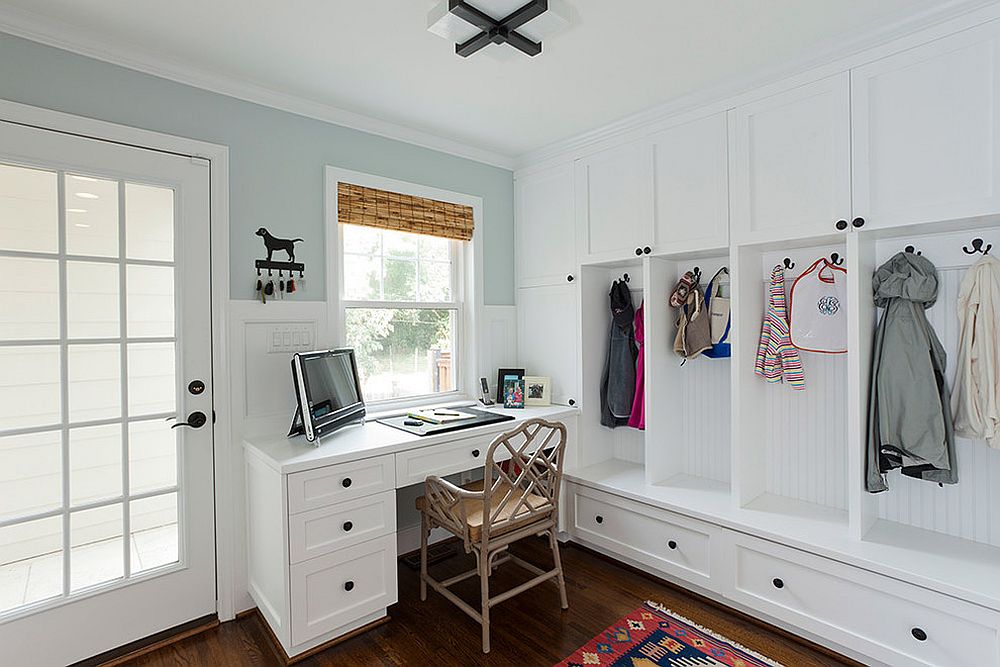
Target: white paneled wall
{"x": 705, "y": 429}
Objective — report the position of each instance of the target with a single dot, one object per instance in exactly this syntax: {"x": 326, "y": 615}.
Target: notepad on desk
{"x": 439, "y": 415}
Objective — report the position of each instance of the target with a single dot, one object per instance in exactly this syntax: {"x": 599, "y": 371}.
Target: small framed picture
{"x": 503, "y": 375}
{"x": 537, "y": 391}
{"x": 513, "y": 393}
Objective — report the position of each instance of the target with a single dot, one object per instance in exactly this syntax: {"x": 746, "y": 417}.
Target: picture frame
{"x": 513, "y": 393}
{"x": 504, "y": 374}
{"x": 537, "y": 391}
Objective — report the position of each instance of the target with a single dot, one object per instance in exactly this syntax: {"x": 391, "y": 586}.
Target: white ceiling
{"x": 376, "y": 58}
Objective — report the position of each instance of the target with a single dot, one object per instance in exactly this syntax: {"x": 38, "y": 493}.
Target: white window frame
{"x": 467, "y": 283}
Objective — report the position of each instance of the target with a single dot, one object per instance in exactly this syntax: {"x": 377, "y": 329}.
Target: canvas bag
{"x": 818, "y": 310}
{"x": 717, "y": 301}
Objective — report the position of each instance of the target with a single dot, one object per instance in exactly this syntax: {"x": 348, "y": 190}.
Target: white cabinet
{"x": 926, "y": 126}
{"x": 791, "y": 163}
{"x": 614, "y": 202}
{"x": 547, "y": 337}
{"x": 546, "y": 237}
{"x": 691, "y": 185}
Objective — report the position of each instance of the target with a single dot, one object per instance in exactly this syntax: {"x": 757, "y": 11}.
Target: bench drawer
{"x": 320, "y": 531}
{"x": 334, "y": 484}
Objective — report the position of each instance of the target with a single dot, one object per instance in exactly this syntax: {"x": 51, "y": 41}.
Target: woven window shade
{"x": 358, "y": 205}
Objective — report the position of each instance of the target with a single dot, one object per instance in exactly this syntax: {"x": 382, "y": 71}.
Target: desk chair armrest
{"x": 444, "y": 505}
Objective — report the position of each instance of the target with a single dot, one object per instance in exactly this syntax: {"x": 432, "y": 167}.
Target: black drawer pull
{"x": 841, "y": 225}
{"x": 919, "y": 634}
{"x": 858, "y": 223}
{"x": 346, "y": 483}
{"x": 348, "y": 526}
{"x": 647, "y": 250}
{"x": 638, "y": 252}
{"x": 778, "y": 583}
{"x": 475, "y": 453}
{"x": 672, "y": 544}
{"x": 349, "y": 586}
{"x": 569, "y": 278}
{"x": 571, "y": 402}
{"x": 599, "y": 519}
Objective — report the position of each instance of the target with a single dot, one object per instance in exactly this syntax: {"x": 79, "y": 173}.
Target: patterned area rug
{"x": 653, "y": 636}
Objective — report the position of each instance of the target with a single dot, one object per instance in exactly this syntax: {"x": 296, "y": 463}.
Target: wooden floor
{"x": 528, "y": 630}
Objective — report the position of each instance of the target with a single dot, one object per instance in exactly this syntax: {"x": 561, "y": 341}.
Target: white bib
{"x": 818, "y": 310}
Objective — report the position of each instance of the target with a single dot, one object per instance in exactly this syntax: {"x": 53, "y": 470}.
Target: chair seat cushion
{"x": 474, "y": 509}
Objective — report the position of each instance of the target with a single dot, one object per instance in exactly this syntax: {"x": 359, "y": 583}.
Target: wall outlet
{"x": 286, "y": 338}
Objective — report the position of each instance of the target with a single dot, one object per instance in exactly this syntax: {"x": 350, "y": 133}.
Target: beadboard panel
{"x": 705, "y": 428}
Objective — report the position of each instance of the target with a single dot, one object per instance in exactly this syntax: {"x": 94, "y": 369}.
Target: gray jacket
{"x": 909, "y": 416}
{"x": 618, "y": 378}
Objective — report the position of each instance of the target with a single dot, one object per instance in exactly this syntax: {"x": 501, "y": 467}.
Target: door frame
{"x": 218, "y": 157}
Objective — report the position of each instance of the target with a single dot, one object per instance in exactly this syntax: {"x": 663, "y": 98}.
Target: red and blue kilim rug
{"x": 652, "y": 636}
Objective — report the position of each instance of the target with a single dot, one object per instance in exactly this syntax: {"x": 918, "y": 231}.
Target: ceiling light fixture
{"x": 86, "y": 195}
{"x": 472, "y": 28}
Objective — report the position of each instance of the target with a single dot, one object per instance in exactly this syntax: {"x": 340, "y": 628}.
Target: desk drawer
{"x": 887, "y": 619}
{"x": 661, "y": 539}
{"x": 341, "y": 587}
{"x": 333, "y": 484}
{"x": 320, "y": 531}
{"x": 415, "y": 465}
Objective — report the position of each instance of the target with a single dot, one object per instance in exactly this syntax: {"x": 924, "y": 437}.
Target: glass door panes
{"x": 89, "y": 467}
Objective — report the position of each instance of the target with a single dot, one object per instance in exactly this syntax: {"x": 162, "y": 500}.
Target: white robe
{"x": 975, "y": 401}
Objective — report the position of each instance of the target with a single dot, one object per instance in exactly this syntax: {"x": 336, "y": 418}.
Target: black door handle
{"x": 194, "y": 420}
{"x": 196, "y": 387}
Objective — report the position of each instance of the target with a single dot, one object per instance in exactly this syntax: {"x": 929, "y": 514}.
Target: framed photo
{"x": 537, "y": 391}
{"x": 513, "y": 393}
{"x": 503, "y": 375}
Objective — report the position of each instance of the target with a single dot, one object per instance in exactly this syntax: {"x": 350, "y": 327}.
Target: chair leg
{"x": 558, "y": 564}
{"x": 423, "y": 556}
{"x": 484, "y": 585}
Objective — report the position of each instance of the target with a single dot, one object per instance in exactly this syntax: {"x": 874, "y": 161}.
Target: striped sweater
{"x": 777, "y": 360}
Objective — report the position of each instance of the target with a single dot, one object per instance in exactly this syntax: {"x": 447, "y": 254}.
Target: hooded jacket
{"x": 976, "y": 401}
{"x": 618, "y": 379}
{"x": 909, "y": 412}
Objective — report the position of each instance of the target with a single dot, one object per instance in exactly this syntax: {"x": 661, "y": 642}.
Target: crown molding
{"x": 934, "y": 19}
{"x": 61, "y": 35}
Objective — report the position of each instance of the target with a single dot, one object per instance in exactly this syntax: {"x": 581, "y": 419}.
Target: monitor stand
{"x": 297, "y": 428}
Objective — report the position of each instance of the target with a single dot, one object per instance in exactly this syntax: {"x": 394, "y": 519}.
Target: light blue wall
{"x": 276, "y": 158}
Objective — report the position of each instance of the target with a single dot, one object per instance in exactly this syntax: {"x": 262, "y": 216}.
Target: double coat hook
{"x": 977, "y": 246}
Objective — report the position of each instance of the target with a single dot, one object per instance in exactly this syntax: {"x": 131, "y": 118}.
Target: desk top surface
{"x": 287, "y": 455}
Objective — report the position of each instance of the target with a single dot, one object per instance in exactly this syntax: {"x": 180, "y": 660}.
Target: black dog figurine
{"x": 273, "y": 243}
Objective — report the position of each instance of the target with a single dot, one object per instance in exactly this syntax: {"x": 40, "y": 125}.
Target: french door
{"x": 106, "y": 478}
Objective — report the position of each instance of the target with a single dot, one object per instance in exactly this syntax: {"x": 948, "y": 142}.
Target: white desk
{"x": 322, "y": 520}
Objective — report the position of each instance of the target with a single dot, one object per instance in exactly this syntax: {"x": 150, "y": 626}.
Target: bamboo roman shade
{"x": 358, "y": 205}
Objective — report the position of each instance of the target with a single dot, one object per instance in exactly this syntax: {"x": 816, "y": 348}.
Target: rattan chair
{"x": 518, "y": 497}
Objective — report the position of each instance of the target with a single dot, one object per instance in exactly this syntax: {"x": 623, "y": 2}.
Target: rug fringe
{"x": 762, "y": 658}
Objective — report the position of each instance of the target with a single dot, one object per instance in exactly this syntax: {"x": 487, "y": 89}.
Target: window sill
{"x": 384, "y": 409}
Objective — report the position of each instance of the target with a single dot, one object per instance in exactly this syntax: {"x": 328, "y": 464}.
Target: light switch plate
{"x": 288, "y": 338}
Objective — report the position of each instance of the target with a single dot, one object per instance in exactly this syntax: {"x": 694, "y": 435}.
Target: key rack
{"x": 280, "y": 267}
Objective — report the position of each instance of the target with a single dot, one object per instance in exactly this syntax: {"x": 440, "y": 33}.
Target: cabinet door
{"x": 926, "y": 126}
{"x": 691, "y": 185}
{"x": 546, "y": 240}
{"x": 547, "y": 338}
{"x": 614, "y": 202}
{"x": 791, "y": 163}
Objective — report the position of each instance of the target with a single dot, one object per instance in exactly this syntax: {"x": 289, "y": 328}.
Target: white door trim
{"x": 218, "y": 157}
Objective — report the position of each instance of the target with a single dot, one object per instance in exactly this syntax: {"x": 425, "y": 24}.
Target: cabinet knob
{"x": 858, "y": 223}
{"x": 647, "y": 250}
{"x": 475, "y": 453}
{"x": 841, "y": 225}
{"x": 919, "y": 634}
{"x": 348, "y": 526}
{"x": 599, "y": 519}
{"x": 638, "y": 252}
{"x": 672, "y": 544}
{"x": 572, "y": 402}
{"x": 349, "y": 586}
{"x": 569, "y": 278}
{"x": 778, "y": 583}
{"x": 346, "y": 483}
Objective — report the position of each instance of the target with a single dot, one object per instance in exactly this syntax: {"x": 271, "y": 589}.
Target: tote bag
{"x": 818, "y": 310}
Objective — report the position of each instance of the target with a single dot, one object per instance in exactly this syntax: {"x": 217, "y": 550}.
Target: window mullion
{"x": 123, "y": 364}
{"x": 64, "y": 380}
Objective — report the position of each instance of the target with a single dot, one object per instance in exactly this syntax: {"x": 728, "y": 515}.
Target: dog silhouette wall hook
{"x": 273, "y": 243}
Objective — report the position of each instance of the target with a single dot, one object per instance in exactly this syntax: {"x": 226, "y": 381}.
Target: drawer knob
{"x": 778, "y": 583}
{"x": 646, "y": 250}
{"x": 841, "y": 225}
{"x": 475, "y": 453}
{"x": 672, "y": 544}
{"x": 349, "y": 586}
{"x": 599, "y": 519}
{"x": 569, "y": 278}
{"x": 571, "y": 402}
{"x": 348, "y": 526}
{"x": 858, "y": 223}
{"x": 346, "y": 483}
{"x": 919, "y": 634}
{"x": 638, "y": 252}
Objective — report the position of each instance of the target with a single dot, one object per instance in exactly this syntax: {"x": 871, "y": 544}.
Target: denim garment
{"x": 618, "y": 379}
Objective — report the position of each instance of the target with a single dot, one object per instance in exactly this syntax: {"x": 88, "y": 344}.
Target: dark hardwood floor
{"x": 527, "y": 630}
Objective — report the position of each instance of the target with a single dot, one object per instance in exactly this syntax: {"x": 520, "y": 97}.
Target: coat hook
{"x": 625, "y": 278}
{"x": 789, "y": 264}
{"x": 977, "y": 246}
{"x": 836, "y": 259}
{"x": 697, "y": 273}
{"x": 911, "y": 249}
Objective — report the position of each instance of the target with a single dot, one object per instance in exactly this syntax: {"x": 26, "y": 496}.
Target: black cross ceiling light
{"x": 498, "y": 31}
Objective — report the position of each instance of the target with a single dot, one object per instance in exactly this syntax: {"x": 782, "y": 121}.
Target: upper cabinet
{"x": 926, "y": 126}
{"x": 613, "y": 203}
{"x": 790, "y": 163}
{"x": 546, "y": 236}
{"x": 691, "y": 185}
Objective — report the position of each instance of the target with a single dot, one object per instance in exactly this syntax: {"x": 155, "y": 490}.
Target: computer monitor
{"x": 328, "y": 391}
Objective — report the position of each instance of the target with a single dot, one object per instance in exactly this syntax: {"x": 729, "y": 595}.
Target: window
{"x": 403, "y": 311}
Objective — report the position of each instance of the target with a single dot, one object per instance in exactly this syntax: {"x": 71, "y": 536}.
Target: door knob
{"x": 194, "y": 420}
{"x": 196, "y": 387}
